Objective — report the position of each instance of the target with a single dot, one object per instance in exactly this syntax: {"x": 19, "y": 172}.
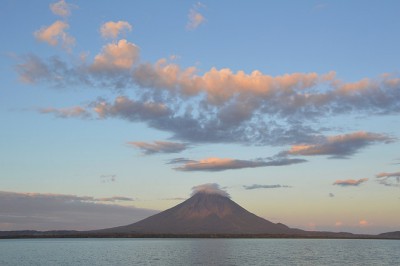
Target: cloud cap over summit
{"x": 210, "y": 188}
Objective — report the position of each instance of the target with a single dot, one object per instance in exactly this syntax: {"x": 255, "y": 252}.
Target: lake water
{"x": 45, "y": 252}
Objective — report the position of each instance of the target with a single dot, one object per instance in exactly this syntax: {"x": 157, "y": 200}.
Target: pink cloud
{"x": 61, "y": 8}
{"x": 113, "y": 29}
{"x": 214, "y": 164}
{"x": 195, "y": 17}
{"x": 55, "y": 34}
{"x": 363, "y": 223}
{"x": 350, "y": 182}
{"x": 115, "y": 57}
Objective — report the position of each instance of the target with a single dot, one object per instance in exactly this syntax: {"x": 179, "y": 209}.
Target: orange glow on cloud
{"x": 121, "y": 55}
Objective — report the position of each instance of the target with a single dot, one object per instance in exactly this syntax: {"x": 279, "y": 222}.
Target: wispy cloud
{"x": 210, "y": 188}
{"x": 75, "y": 111}
{"x": 176, "y": 198}
{"x": 350, "y": 182}
{"x": 320, "y": 6}
{"x": 159, "y": 147}
{"x": 180, "y": 161}
{"x": 39, "y": 211}
{"x": 258, "y": 186}
{"x": 389, "y": 179}
{"x": 340, "y": 146}
{"x": 108, "y": 178}
{"x": 114, "y": 199}
{"x": 222, "y": 164}
{"x": 195, "y": 17}
{"x": 113, "y": 29}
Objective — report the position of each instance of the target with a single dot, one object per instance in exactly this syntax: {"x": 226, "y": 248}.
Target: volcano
{"x": 204, "y": 213}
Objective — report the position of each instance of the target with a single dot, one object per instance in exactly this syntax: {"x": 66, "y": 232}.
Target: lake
{"x": 198, "y": 252}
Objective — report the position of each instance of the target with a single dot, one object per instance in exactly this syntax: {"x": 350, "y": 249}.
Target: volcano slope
{"x": 204, "y": 213}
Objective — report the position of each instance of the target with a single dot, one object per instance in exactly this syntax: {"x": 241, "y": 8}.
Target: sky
{"x": 113, "y": 111}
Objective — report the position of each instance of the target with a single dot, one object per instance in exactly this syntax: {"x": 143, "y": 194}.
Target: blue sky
{"x": 290, "y": 106}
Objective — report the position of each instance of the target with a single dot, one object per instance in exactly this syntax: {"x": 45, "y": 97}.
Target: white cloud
{"x": 210, "y": 188}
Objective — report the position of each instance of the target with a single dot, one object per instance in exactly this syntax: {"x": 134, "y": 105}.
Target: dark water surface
{"x": 45, "y": 252}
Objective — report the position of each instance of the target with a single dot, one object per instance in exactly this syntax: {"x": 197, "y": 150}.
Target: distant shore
{"x": 78, "y": 234}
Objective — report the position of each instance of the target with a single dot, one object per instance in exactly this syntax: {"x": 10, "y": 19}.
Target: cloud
{"x": 75, "y": 111}
{"x": 210, "y": 188}
{"x": 115, "y": 199}
{"x": 32, "y": 70}
{"x": 218, "y": 106}
{"x": 180, "y": 161}
{"x": 159, "y": 147}
{"x": 389, "y": 179}
{"x": 195, "y": 17}
{"x": 257, "y": 186}
{"x": 115, "y": 57}
{"x": 39, "y": 211}
{"x": 113, "y": 29}
{"x": 61, "y": 8}
{"x": 108, "y": 178}
{"x": 222, "y": 164}
{"x": 293, "y": 97}
{"x": 223, "y": 106}
{"x": 55, "y": 35}
{"x": 331, "y": 195}
{"x": 350, "y": 182}
{"x": 363, "y": 223}
{"x": 176, "y": 198}
{"x": 131, "y": 110}
{"x": 340, "y": 146}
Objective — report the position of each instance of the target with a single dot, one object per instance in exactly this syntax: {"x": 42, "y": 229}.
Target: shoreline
{"x": 53, "y": 235}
